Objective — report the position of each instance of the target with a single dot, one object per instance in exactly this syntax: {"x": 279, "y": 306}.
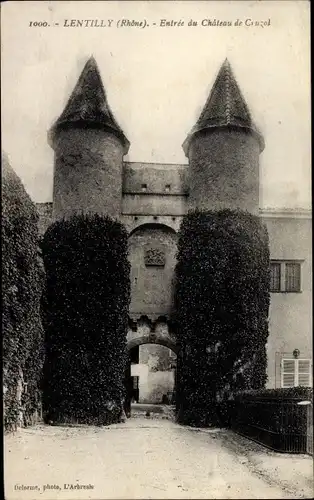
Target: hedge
{"x": 297, "y": 393}
{"x": 85, "y": 311}
{"x": 221, "y": 310}
{"x": 22, "y": 281}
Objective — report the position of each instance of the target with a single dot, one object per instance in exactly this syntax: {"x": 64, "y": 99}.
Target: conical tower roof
{"x": 225, "y": 107}
{"x": 88, "y": 105}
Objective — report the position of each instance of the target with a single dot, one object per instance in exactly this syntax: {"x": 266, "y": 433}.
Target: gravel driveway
{"x": 146, "y": 458}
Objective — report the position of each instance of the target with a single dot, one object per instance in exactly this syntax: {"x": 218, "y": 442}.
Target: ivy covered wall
{"x": 22, "y": 281}
{"x": 85, "y": 313}
{"x": 221, "y": 310}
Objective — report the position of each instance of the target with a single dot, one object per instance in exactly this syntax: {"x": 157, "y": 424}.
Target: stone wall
{"x": 154, "y": 204}
{"x": 146, "y": 331}
{"x": 88, "y": 173}
{"x": 155, "y": 386}
{"x": 224, "y": 171}
{"x": 152, "y": 251}
{"x": 155, "y": 178}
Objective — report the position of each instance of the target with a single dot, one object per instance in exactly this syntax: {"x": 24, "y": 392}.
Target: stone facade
{"x": 88, "y": 171}
{"x": 152, "y": 280}
{"x": 150, "y": 200}
{"x": 224, "y": 171}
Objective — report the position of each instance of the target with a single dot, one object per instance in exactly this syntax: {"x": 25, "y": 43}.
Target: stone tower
{"x": 89, "y": 147}
{"x": 223, "y": 149}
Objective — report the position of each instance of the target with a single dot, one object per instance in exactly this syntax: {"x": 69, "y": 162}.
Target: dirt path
{"x": 144, "y": 459}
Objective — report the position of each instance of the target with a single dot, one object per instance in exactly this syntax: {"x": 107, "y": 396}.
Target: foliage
{"x": 22, "y": 280}
{"x": 221, "y": 310}
{"x": 85, "y": 311}
{"x": 299, "y": 393}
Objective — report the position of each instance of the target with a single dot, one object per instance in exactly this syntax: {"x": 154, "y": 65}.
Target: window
{"x": 144, "y": 187}
{"x": 285, "y": 276}
{"x": 275, "y": 276}
{"x": 292, "y": 277}
{"x": 295, "y": 372}
{"x": 168, "y": 188}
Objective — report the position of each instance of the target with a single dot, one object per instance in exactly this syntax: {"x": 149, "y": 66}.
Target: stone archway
{"x": 153, "y": 339}
{"x": 158, "y": 333}
{"x": 146, "y": 331}
{"x": 153, "y": 225}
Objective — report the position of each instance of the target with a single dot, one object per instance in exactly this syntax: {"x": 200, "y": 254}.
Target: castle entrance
{"x": 150, "y": 376}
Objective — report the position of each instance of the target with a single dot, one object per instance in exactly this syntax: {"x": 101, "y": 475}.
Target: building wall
{"x": 152, "y": 285}
{"x": 158, "y": 357}
{"x": 158, "y": 178}
{"x": 88, "y": 173}
{"x": 154, "y": 204}
{"x": 290, "y": 318}
{"x": 224, "y": 171}
{"x": 156, "y": 377}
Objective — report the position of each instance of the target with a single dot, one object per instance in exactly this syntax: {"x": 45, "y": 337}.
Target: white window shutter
{"x": 288, "y": 373}
{"x": 304, "y": 372}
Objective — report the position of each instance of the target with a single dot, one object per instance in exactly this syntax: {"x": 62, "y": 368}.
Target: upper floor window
{"x": 285, "y": 276}
{"x": 144, "y": 188}
{"x": 275, "y": 276}
{"x": 295, "y": 372}
{"x": 293, "y": 277}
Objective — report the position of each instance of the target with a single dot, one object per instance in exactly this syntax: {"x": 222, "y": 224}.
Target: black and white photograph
{"x": 156, "y": 250}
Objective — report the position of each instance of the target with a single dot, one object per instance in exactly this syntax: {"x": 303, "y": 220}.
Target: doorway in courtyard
{"x": 150, "y": 376}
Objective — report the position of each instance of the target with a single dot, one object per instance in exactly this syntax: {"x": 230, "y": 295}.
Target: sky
{"x": 158, "y": 78}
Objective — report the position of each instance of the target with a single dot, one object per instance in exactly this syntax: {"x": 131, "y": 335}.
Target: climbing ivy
{"x": 85, "y": 311}
{"x": 221, "y": 310}
{"x": 22, "y": 281}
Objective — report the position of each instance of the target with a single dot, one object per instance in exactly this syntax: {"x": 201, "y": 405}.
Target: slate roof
{"x": 225, "y": 107}
{"x": 88, "y": 105}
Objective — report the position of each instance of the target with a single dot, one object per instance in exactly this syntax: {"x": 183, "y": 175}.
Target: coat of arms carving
{"x": 154, "y": 256}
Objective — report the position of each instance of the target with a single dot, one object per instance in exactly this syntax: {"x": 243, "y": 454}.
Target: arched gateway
{"x": 141, "y": 332}
{"x": 146, "y": 331}
{"x": 152, "y": 255}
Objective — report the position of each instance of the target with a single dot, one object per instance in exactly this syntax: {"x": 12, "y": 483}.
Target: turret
{"x": 223, "y": 149}
{"x": 89, "y": 147}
